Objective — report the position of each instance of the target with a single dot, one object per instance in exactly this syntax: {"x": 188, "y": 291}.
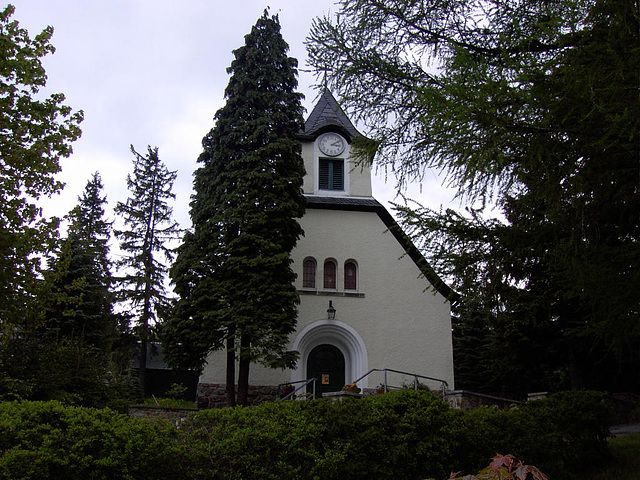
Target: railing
{"x": 416, "y": 383}
{"x": 303, "y": 384}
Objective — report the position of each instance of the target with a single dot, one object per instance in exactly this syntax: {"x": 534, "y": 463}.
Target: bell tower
{"x": 327, "y": 140}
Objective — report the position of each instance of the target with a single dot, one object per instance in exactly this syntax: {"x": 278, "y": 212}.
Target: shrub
{"x": 272, "y": 441}
{"x": 397, "y": 435}
{"x": 402, "y": 434}
{"x": 45, "y": 440}
{"x": 566, "y": 432}
{"x": 562, "y": 434}
{"x": 43, "y": 368}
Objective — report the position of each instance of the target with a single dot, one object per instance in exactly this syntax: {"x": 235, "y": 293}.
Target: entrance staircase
{"x": 299, "y": 390}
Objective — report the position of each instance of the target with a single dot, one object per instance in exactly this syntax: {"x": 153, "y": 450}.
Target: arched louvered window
{"x": 309, "y": 267}
{"x": 350, "y": 275}
{"x": 330, "y": 277}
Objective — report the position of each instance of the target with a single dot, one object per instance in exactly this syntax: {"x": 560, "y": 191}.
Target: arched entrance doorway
{"x": 326, "y": 364}
{"x": 336, "y": 334}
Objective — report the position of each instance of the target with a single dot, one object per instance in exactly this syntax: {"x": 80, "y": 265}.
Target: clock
{"x": 331, "y": 144}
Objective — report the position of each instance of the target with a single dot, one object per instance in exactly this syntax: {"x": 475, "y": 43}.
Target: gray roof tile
{"x": 327, "y": 113}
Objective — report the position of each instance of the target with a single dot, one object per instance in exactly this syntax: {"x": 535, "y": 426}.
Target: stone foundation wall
{"x": 464, "y": 400}
{"x": 212, "y": 395}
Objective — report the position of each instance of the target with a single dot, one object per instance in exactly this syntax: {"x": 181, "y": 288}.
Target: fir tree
{"x": 148, "y": 219}
{"x": 81, "y": 276}
{"x": 233, "y": 272}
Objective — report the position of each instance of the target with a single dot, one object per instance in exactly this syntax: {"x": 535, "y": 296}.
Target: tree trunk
{"x": 142, "y": 365}
{"x": 243, "y": 370}
{"x": 231, "y": 372}
{"x": 144, "y": 327}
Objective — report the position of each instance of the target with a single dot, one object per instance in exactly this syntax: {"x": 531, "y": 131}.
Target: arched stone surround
{"x": 336, "y": 333}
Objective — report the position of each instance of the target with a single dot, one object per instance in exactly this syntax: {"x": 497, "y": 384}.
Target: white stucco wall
{"x": 396, "y": 321}
{"x": 404, "y": 325}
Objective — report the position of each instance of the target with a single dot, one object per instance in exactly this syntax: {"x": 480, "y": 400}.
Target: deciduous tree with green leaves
{"x": 233, "y": 271}
{"x": 531, "y": 108}
{"x": 149, "y": 227}
{"x": 35, "y": 132}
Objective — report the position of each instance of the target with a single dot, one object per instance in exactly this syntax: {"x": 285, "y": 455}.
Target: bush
{"x": 397, "y": 435}
{"x": 45, "y": 440}
{"x": 402, "y": 434}
{"x": 573, "y": 426}
{"x": 562, "y": 435}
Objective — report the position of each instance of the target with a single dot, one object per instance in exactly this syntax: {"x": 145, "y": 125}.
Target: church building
{"x": 368, "y": 298}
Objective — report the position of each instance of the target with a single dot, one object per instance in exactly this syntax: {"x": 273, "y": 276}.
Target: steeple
{"x": 327, "y": 113}
{"x": 327, "y": 142}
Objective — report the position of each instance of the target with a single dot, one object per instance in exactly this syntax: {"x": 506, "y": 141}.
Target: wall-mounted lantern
{"x": 331, "y": 312}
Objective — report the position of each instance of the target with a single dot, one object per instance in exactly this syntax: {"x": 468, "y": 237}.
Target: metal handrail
{"x": 304, "y": 383}
{"x": 445, "y": 384}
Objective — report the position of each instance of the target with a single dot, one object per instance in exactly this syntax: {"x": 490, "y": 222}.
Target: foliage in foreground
{"x": 505, "y": 467}
{"x": 49, "y": 441}
{"x": 625, "y": 461}
{"x": 405, "y": 434}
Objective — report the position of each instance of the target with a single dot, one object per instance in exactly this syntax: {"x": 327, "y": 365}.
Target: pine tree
{"x": 81, "y": 276}
{"x": 233, "y": 271}
{"x": 149, "y": 223}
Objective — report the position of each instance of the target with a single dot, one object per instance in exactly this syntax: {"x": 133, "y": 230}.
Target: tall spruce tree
{"x": 77, "y": 356}
{"x": 531, "y": 107}
{"x": 233, "y": 272}
{"x": 81, "y": 275}
{"x": 149, "y": 228}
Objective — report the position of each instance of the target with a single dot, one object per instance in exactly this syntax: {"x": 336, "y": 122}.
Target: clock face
{"x": 331, "y": 144}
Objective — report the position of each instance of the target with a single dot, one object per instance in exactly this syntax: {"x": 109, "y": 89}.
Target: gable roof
{"x": 326, "y": 115}
{"x": 369, "y": 204}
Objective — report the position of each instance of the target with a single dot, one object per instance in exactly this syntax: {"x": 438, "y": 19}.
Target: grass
{"x": 626, "y": 460}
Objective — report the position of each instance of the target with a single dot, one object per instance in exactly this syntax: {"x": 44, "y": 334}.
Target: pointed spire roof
{"x": 326, "y": 114}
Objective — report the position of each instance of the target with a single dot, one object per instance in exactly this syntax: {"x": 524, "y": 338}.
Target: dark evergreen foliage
{"x": 531, "y": 108}
{"x": 82, "y": 353}
{"x": 149, "y": 228}
{"x": 82, "y": 296}
{"x": 233, "y": 271}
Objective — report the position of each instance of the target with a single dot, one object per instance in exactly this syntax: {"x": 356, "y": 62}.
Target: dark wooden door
{"x": 326, "y": 364}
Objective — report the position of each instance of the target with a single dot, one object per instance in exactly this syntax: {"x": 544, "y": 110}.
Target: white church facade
{"x": 368, "y": 298}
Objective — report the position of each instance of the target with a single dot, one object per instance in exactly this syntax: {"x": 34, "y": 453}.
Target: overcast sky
{"x": 153, "y": 72}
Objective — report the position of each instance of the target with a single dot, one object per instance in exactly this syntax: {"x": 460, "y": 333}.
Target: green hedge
{"x": 395, "y": 435}
{"x": 398, "y": 435}
{"x": 409, "y": 435}
{"x": 46, "y": 440}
